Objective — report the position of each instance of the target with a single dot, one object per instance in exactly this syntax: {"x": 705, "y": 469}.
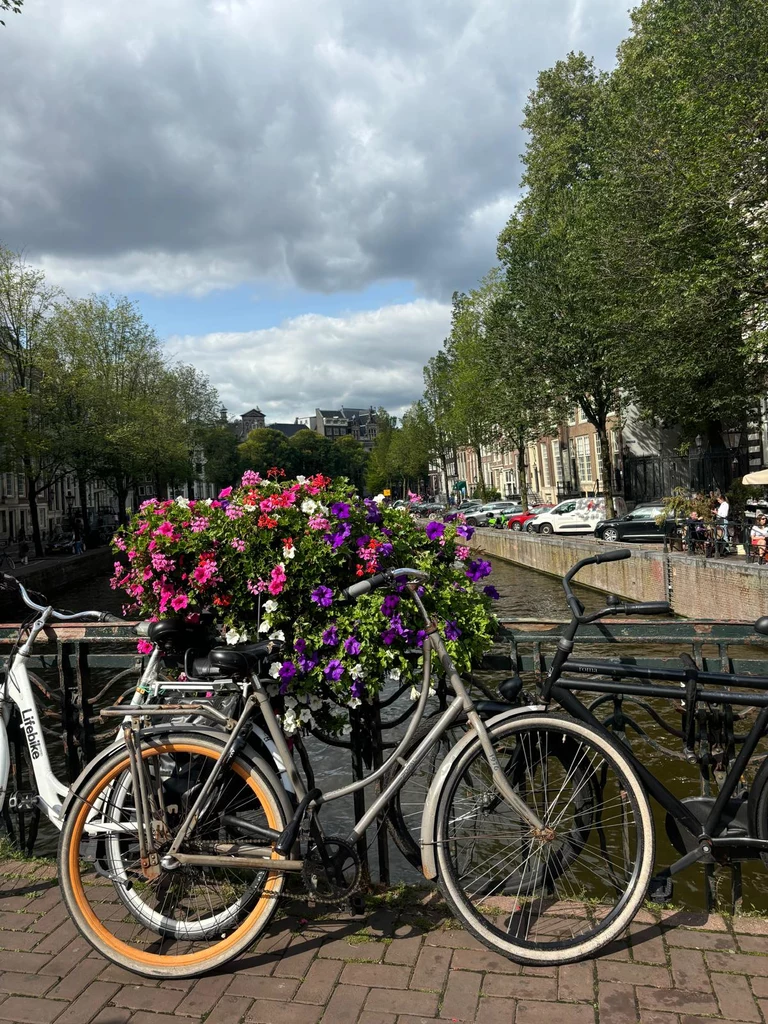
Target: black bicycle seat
{"x": 511, "y": 689}
{"x": 174, "y": 636}
{"x": 761, "y": 626}
{"x": 225, "y": 661}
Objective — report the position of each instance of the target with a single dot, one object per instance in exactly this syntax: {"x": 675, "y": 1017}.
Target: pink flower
{"x": 193, "y": 618}
{"x": 318, "y": 523}
{"x": 198, "y": 524}
{"x": 179, "y": 602}
{"x": 233, "y": 512}
{"x": 161, "y": 562}
{"x": 238, "y": 544}
{"x": 250, "y": 479}
{"x": 145, "y": 647}
{"x": 119, "y": 543}
{"x": 165, "y": 529}
{"x": 256, "y": 588}
{"x": 462, "y": 552}
{"x": 225, "y": 493}
{"x": 277, "y": 580}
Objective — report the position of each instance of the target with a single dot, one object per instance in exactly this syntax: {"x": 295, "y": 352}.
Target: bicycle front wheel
{"x": 190, "y": 919}
{"x": 558, "y": 893}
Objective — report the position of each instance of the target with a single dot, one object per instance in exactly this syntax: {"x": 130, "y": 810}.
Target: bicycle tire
{"x": 572, "y": 923}
{"x": 86, "y": 892}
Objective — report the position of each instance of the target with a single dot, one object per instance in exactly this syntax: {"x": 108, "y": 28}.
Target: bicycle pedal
{"x": 22, "y": 801}
{"x": 660, "y": 889}
{"x": 357, "y": 905}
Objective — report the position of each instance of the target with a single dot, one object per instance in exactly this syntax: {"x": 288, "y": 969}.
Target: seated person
{"x": 759, "y": 537}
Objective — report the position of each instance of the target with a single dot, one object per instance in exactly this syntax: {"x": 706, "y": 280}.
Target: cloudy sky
{"x": 291, "y": 189}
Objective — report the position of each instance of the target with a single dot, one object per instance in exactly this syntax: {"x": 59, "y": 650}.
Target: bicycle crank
{"x": 332, "y": 874}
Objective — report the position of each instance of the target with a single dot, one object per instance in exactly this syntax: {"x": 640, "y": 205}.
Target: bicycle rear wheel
{"x": 559, "y": 893}
{"x": 172, "y": 934}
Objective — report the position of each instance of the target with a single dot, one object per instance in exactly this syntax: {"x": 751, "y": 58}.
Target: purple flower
{"x": 287, "y": 670}
{"x": 491, "y": 592}
{"x": 340, "y": 509}
{"x": 337, "y": 539}
{"x": 331, "y": 636}
{"x": 467, "y": 532}
{"x": 478, "y": 570}
{"x": 300, "y": 645}
{"x": 323, "y": 596}
{"x": 373, "y": 515}
{"x": 389, "y": 636}
{"x": 385, "y": 550}
{"x": 452, "y": 631}
{"x": 389, "y": 605}
{"x": 308, "y": 662}
{"x": 352, "y": 645}
{"x": 435, "y": 530}
{"x": 451, "y": 517}
{"x": 357, "y": 688}
{"x": 334, "y": 670}
{"x": 386, "y": 531}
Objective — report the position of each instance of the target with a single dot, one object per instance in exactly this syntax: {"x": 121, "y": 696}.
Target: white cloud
{"x": 186, "y": 145}
{"x": 312, "y": 361}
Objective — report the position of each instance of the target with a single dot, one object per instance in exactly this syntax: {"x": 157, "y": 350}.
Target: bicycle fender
{"x": 429, "y": 818}
{"x": 755, "y": 789}
{"x": 247, "y": 752}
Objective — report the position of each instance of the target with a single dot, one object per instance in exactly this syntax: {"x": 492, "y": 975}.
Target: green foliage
{"x": 265, "y": 448}
{"x": 14, "y": 6}
{"x": 682, "y": 504}
{"x": 739, "y": 495}
{"x": 222, "y": 459}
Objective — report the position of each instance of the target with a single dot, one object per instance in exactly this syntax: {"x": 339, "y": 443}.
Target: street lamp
{"x": 70, "y": 502}
{"x": 732, "y": 437}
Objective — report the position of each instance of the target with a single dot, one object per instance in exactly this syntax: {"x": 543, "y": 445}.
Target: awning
{"x": 756, "y": 479}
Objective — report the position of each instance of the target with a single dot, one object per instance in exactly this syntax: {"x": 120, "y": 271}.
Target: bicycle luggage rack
{"x": 706, "y": 738}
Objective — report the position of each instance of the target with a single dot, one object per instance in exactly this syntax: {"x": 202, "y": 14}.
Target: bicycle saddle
{"x": 229, "y": 661}
{"x": 174, "y": 635}
{"x": 761, "y": 626}
{"x": 511, "y": 688}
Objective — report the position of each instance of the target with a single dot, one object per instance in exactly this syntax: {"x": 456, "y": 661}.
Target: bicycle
{"x": 207, "y": 833}
{"x": 6, "y": 562}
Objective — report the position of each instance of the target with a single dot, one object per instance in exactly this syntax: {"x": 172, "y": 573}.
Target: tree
{"x": 26, "y": 305}
{"x": 379, "y": 474}
{"x": 350, "y": 459}
{"x": 222, "y": 459}
{"x": 14, "y": 6}
{"x": 310, "y": 453}
{"x": 265, "y": 449}
{"x": 436, "y": 409}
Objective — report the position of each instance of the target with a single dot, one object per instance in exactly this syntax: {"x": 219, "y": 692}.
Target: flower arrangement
{"x": 271, "y": 558}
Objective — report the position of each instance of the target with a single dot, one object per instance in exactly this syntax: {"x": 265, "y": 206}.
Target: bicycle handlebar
{"x": 381, "y": 579}
{"x": 59, "y": 616}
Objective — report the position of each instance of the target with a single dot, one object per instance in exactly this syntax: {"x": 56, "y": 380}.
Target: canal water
{"x": 523, "y": 594}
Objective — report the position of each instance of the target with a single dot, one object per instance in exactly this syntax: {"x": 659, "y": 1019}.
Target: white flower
{"x": 308, "y": 506}
{"x": 379, "y": 499}
{"x": 314, "y": 702}
{"x": 346, "y": 729}
{"x": 249, "y": 508}
{"x": 305, "y": 715}
{"x": 270, "y": 606}
{"x": 273, "y": 689}
{"x": 265, "y": 626}
{"x": 357, "y": 672}
{"x": 290, "y": 702}
{"x": 289, "y": 552}
{"x": 274, "y": 669}
{"x": 277, "y": 635}
{"x": 354, "y": 702}
{"x": 207, "y": 501}
{"x": 300, "y": 479}
{"x": 394, "y": 674}
{"x": 414, "y": 693}
{"x": 181, "y": 500}
{"x": 233, "y": 637}
{"x": 290, "y": 723}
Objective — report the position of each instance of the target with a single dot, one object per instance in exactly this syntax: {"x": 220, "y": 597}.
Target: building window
{"x": 572, "y": 416}
{"x": 545, "y": 467}
{"x": 584, "y": 458}
{"x": 615, "y": 441}
{"x": 9, "y": 491}
{"x": 558, "y": 462}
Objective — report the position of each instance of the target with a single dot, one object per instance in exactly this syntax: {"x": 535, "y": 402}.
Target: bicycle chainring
{"x": 342, "y": 881}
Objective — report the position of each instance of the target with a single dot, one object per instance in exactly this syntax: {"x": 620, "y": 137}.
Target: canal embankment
{"x": 696, "y": 587}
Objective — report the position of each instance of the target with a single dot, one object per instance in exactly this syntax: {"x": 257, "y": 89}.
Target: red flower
{"x": 266, "y": 522}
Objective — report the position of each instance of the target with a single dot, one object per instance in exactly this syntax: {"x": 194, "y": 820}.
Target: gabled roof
{"x": 289, "y": 429}
{"x": 328, "y": 414}
{"x": 254, "y": 413}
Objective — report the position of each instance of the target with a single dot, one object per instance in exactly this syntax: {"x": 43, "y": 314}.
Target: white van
{"x": 575, "y": 515}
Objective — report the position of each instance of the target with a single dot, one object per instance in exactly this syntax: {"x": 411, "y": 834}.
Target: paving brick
{"x": 139, "y": 997}
{"x": 694, "y": 919}
{"x": 25, "y": 1010}
{"x": 431, "y": 969}
{"x": 112, "y": 1015}
{"x": 575, "y": 983}
{"x": 58, "y": 939}
{"x": 18, "y": 940}
{"x": 76, "y": 950}
{"x": 25, "y": 963}
{"x": 297, "y": 957}
{"x": 340, "y": 949}
{"x": 483, "y": 960}
{"x": 541, "y": 1013}
{"x": 345, "y": 1005}
{"x": 375, "y": 975}
{"x": 700, "y": 940}
{"x": 454, "y": 938}
{"x": 738, "y": 963}
{"x": 760, "y": 986}
{"x": 252, "y": 985}
{"x": 750, "y": 925}
{"x": 616, "y": 1001}
{"x": 282, "y": 1013}
{"x": 147, "y": 1017}
{"x": 25, "y": 984}
{"x": 461, "y": 995}
{"x": 229, "y": 1010}
{"x": 403, "y": 951}
{"x": 516, "y": 986}
{"x": 400, "y": 1001}
{"x": 689, "y": 971}
{"x": 752, "y": 943}
{"x": 319, "y": 982}
{"x": 735, "y": 997}
{"x": 647, "y": 944}
{"x": 658, "y": 1017}
{"x": 675, "y": 1000}
{"x": 204, "y": 995}
{"x": 495, "y": 1011}
{"x": 88, "y": 1003}
{"x": 634, "y": 974}
{"x": 373, "y": 1017}
{"x": 71, "y": 986}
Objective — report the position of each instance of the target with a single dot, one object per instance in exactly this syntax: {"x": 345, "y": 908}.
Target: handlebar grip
{"x": 109, "y": 617}
{"x": 647, "y": 608}
{"x": 613, "y": 556}
{"x": 365, "y": 586}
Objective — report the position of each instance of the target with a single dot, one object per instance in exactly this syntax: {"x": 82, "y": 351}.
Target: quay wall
{"x": 53, "y": 575}
{"x": 697, "y": 587}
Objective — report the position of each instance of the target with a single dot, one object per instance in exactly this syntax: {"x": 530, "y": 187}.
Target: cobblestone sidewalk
{"x": 404, "y": 964}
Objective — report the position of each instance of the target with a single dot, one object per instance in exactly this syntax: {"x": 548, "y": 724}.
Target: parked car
{"x": 62, "y": 545}
{"x": 574, "y": 515}
{"x": 481, "y": 515}
{"x": 470, "y": 505}
{"x": 522, "y": 520}
{"x": 638, "y": 525}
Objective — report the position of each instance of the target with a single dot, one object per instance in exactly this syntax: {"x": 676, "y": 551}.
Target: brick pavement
{"x": 406, "y": 963}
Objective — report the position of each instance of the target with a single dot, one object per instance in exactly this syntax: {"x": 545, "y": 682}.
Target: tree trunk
{"x": 83, "y": 492}
{"x": 521, "y": 474}
{"x": 607, "y": 469}
{"x": 31, "y": 482}
{"x": 122, "y": 496}
{"x": 444, "y": 462}
{"x": 480, "y": 474}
